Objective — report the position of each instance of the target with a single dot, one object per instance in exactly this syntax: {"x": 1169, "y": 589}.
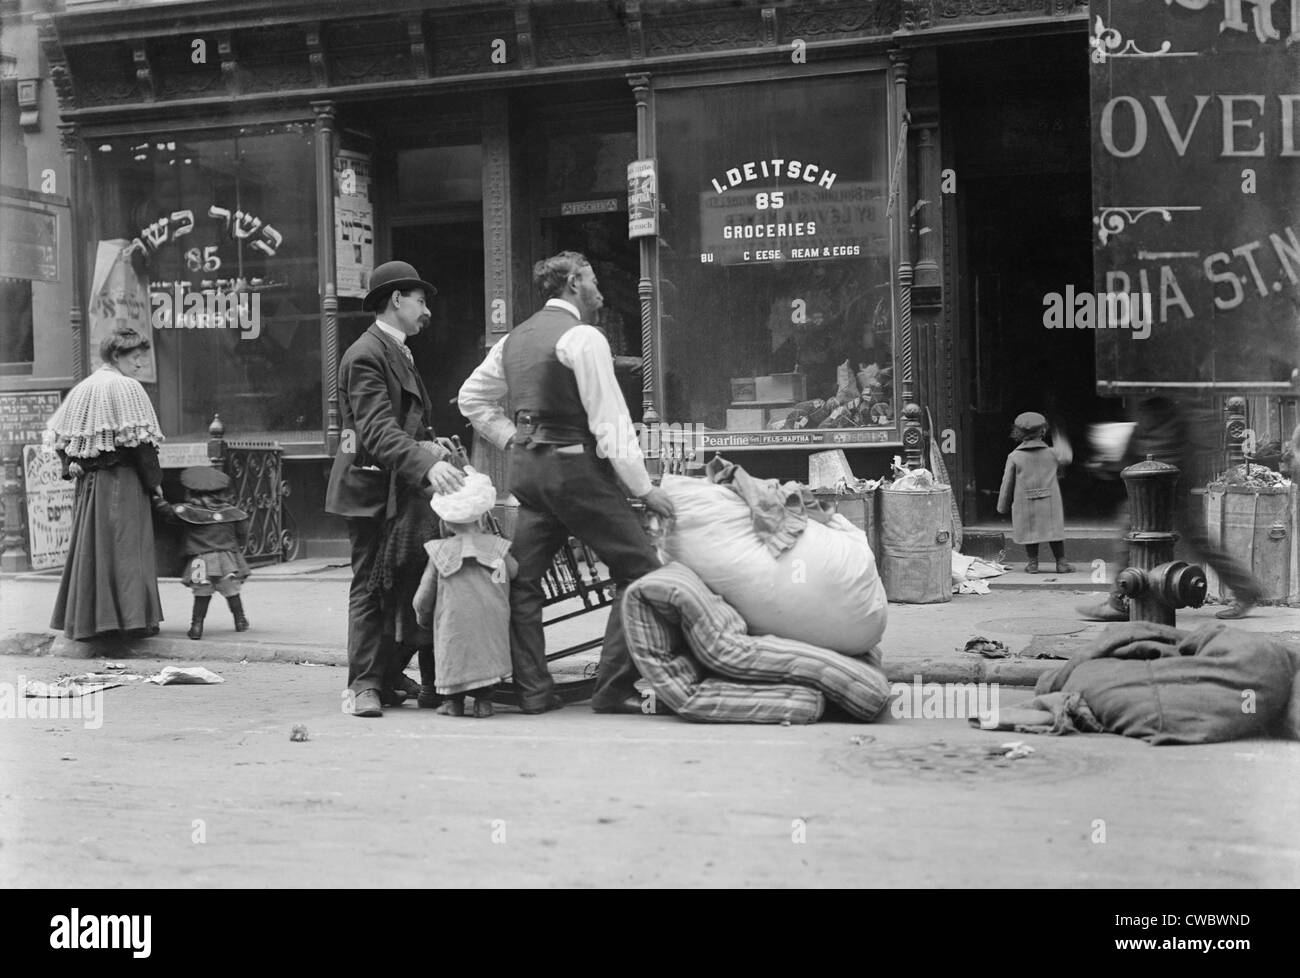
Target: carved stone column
{"x": 899, "y": 196}
{"x": 329, "y": 300}
{"x": 645, "y": 147}
{"x": 71, "y": 142}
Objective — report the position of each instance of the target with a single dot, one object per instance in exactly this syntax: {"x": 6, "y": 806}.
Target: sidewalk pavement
{"x": 298, "y": 613}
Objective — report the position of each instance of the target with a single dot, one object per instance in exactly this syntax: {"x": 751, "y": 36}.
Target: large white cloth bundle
{"x": 824, "y": 590}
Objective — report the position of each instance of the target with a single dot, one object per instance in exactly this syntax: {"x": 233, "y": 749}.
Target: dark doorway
{"x": 576, "y": 175}
{"x": 450, "y": 255}
{"x": 1022, "y": 160}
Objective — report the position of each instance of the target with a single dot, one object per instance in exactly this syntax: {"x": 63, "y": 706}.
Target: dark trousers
{"x": 374, "y": 658}
{"x": 561, "y": 495}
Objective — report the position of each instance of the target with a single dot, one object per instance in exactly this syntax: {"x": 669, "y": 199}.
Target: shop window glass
{"x": 16, "y": 349}
{"x": 209, "y": 241}
{"x": 776, "y": 300}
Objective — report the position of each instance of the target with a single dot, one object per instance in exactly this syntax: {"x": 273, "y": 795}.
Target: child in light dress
{"x": 465, "y": 596}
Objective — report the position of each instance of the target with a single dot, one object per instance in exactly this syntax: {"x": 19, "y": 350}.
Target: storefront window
{"x": 775, "y": 262}
{"x": 208, "y": 241}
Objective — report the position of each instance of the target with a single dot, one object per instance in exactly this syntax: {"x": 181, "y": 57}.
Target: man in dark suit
{"x": 386, "y": 457}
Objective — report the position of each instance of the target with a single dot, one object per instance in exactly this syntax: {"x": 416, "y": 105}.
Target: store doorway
{"x": 580, "y": 142}
{"x": 617, "y": 264}
{"x": 1022, "y": 157}
{"x": 450, "y": 255}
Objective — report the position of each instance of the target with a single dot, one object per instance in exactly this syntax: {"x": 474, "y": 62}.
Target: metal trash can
{"x": 1258, "y": 526}
{"x": 915, "y": 553}
{"x": 859, "y": 508}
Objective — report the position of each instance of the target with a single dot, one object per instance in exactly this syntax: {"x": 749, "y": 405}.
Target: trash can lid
{"x": 1150, "y": 469}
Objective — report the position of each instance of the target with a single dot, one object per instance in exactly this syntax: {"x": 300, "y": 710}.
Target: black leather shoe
{"x": 554, "y": 703}
{"x": 427, "y": 699}
{"x": 405, "y": 684}
{"x": 392, "y": 697}
{"x": 366, "y": 704}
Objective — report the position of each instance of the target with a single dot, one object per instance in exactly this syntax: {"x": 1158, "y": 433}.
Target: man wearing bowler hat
{"x": 387, "y": 466}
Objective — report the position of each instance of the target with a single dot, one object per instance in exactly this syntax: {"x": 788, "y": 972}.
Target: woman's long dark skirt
{"x": 110, "y": 581}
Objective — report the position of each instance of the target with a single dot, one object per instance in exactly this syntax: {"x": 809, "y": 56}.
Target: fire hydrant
{"x": 1156, "y": 584}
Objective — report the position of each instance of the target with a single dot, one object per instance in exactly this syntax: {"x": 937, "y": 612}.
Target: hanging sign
{"x": 119, "y": 299}
{"x": 50, "y": 500}
{"x": 354, "y": 224}
{"x": 29, "y": 243}
{"x": 642, "y": 199}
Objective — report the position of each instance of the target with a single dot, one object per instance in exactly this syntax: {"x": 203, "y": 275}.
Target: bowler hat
{"x": 393, "y": 276}
{"x": 204, "y": 478}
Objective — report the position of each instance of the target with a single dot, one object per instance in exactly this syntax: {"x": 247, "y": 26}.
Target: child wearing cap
{"x": 214, "y": 534}
{"x": 465, "y": 593}
{"x": 1031, "y": 493}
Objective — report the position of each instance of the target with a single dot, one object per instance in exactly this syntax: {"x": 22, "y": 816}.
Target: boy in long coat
{"x": 1031, "y": 492}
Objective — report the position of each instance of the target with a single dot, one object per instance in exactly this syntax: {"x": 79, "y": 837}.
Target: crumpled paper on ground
{"x": 66, "y": 688}
{"x": 969, "y": 573}
{"x": 190, "y": 675}
{"x": 987, "y": 647}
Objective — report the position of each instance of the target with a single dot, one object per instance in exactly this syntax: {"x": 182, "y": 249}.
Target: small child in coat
{"x": 215, "y": 533}
{"x": 1031, "y": 493}
{"x": 465, "y": 594}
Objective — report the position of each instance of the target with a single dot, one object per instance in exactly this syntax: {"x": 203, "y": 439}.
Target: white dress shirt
{"x": 398, "y": 336}
{"x": 585, "y": 351}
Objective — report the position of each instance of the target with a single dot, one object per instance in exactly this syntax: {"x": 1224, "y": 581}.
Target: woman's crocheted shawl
{"x": 106, "y": 411}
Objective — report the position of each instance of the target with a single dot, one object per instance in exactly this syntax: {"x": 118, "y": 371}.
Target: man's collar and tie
{"x": 398, "y": 337}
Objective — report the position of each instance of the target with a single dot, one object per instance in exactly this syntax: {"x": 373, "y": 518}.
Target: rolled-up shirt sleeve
{"x": 586, "y": 352}
{"x": 482, "y": 399}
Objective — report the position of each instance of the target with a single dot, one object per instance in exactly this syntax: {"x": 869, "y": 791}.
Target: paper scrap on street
{"x": 65, "y": 688}
{"x": 190, "y": 675}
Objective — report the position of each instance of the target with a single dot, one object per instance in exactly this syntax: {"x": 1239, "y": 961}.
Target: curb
{"x": 50, "y": 644}
{"x": 966, "y": 668}
{"x": 954, "y": 669}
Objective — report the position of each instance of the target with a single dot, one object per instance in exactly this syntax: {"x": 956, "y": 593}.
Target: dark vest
{"x": 543, "y": 391}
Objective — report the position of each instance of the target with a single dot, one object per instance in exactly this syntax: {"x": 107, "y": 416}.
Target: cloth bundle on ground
{"x": 1168, "y": 686}
{"x": 774, "y": 553}
{"x": 693, "y": 649}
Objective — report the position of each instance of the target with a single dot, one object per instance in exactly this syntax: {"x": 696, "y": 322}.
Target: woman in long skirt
{"x": 107, "y": 434}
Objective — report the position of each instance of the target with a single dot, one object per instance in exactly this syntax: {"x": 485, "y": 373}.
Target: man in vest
{"x": 572, "y": 444}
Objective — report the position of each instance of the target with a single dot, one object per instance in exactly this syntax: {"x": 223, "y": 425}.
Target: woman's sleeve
{"x": 63, "y": 458}
{"x": 148, "y": 467}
